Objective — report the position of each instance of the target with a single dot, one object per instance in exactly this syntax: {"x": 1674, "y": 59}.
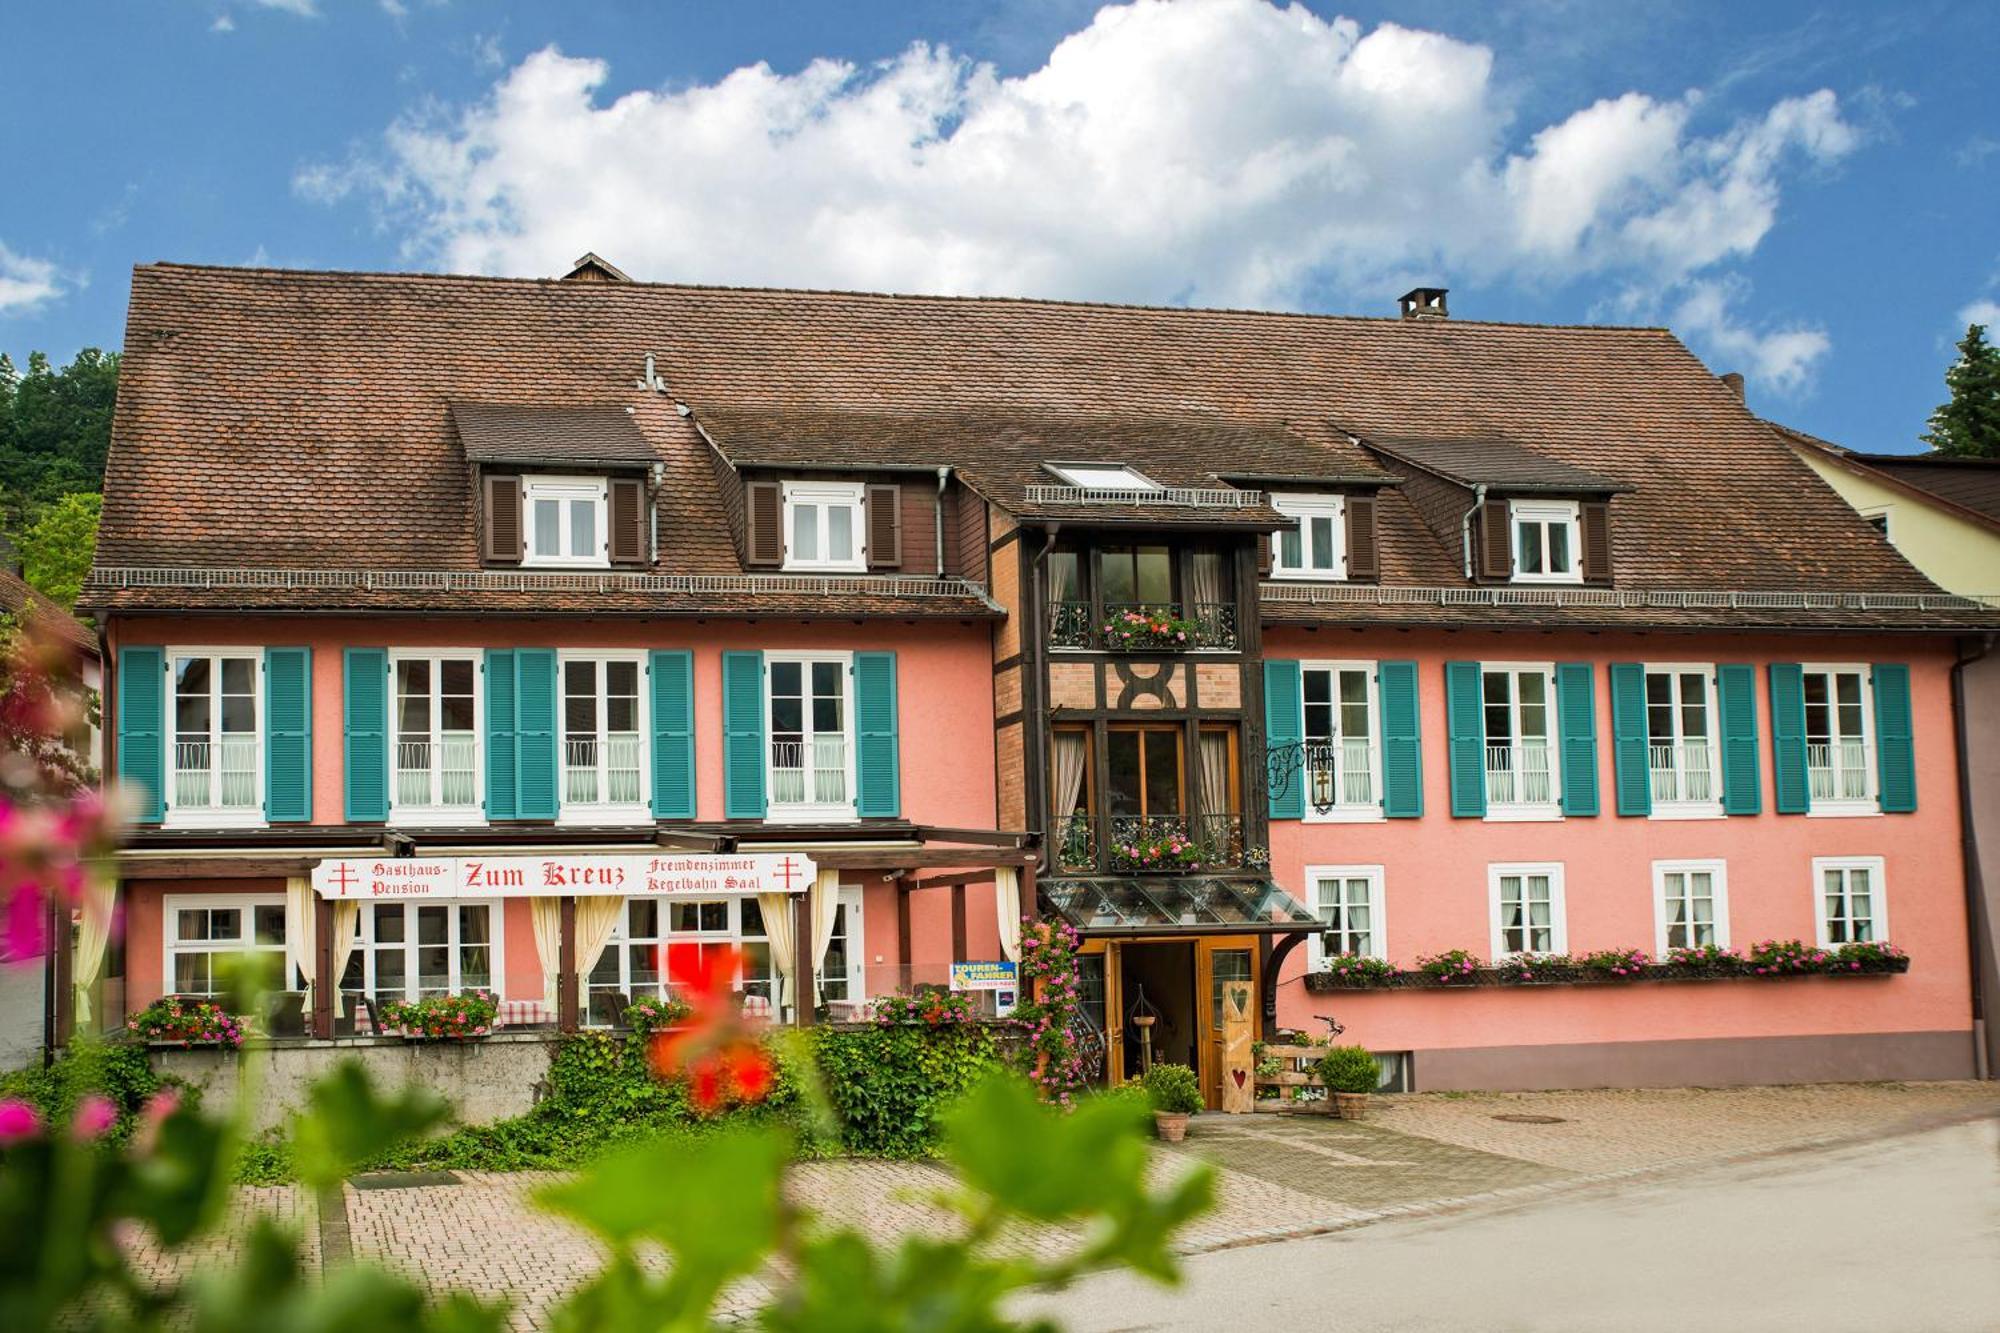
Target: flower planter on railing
{"x": 1137, "y": 627}
{"x": 466, "y": 1017}
{"x": 1148, "y": 629}
{"x": 176, "y": 1021}
{"x": 1771, "y": 960}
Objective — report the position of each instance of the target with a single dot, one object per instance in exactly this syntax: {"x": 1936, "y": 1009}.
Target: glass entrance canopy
{"x": 1117, "y": 907}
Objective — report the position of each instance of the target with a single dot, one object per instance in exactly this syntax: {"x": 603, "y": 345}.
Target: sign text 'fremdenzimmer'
{"x": 624, "y": 875}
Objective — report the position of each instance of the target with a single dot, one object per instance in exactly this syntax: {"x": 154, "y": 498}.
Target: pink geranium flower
{"x": 95, "y": 1116}
{"x": 18, "y": 1121}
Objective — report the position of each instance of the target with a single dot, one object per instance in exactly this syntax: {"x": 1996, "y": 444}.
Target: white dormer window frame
{"x": 1546, "y": 534}
{"x": 1297, "y": 552}
{"x": 559, "y": 508}
{"x": 825, "y": 527}
{"x": 1103, "y": 476}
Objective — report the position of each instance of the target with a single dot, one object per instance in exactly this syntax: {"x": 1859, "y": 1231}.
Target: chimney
{"x": 1733, "y": 381}
{"x": 1424, "y": 303}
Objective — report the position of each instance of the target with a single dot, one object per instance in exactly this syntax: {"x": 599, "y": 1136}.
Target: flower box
{"x": 1148, "y": 631}
{"x": 1771, "y": 960}
{"x": 180, "y": 1021}
{"x": 466, "y": 1017}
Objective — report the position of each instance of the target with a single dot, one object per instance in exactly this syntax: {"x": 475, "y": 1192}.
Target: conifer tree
{"x": 1968, "y": 426}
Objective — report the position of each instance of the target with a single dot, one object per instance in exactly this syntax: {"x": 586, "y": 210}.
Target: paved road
{"x": 1901, "y": 1233}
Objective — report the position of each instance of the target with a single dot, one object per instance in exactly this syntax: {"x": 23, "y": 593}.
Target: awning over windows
{"x": 1113, "y": 907}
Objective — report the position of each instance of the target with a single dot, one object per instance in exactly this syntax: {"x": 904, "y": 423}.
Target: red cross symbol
{"x": 788, "y": 871}
{"x": 343, "y": 877}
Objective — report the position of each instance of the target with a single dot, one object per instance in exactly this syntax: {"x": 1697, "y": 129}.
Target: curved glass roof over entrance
{"x": 1104, "y": 907}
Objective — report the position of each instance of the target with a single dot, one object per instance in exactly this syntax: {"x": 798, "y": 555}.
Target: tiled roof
{"x": 302, "y": 420}
{"x": 1496, "y": 463}
{"x": 502, "y": 433}
{"x": 19, "y": 599}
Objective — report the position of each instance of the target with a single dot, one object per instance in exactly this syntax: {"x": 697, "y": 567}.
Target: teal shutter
{"x": 288, "y": 732}
{"x": 535, "y": 733}
{"x": 142, "y": 714}
{"x": 1788, "y": 738}
{"x": 1631, "y": 757}
{"x": 879, "y": 788}
{"x": 365, "y": 733}
{"x": 1895, "y": 751}
{"x": 672, "y": 675}
{"x": 1742, "y": 780}
{"x": 743, "y": 752}
{"x": 1576, "y": 724}
{"x": 1465, "y": 726}
{"x": 1402, "y": 740}
{"x": 502, "y": 791}
{"x": 1285, "y": 725}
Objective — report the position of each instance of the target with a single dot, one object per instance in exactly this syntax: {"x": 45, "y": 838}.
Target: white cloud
{"x": 303, "y": 8}
{"x": 1783, "y": 359}
{"x": 223, "y": 23}
{"x": 1212, "y": 151}
{"x": 1980, "y": 312}
{"x": 26, "y": 283}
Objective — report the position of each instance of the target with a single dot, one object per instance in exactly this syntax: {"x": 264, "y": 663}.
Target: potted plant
{"x": 1360, "y": 972}
{"x": 653, "y": 1013}
{"x": 174, "y": 1020}
{"x": 1176, "y": 1094}
{"x": 443, "y": 1017}
{"x": 1350, "y": 1074}
{"x": 1138, "y": 630}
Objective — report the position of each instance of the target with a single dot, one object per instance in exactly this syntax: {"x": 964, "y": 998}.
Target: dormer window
{"x": 1315, "y": 545}
{"x": 565, "y": 521}
{"x": 1104, "y": 477}
{"x": 823, "y": 526}
{"x": 1547, "y": 544}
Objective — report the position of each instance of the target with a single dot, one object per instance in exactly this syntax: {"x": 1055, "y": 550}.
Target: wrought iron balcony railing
{"x": 216, "y": 775}
{"x": 602, "y": 770}
{"x": 1143, "y": 627}
{"x": 1146, "y": 844}
{"x": 1838, "y": 770}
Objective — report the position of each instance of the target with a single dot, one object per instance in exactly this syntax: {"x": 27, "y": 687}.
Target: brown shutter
{"x": 1362, "y": 560}
{"x": 1496, "y": 543}
{"x": 628, "y": 521}
{"x": 503, "y": 521}
{"x": 765, "y": 507}
{"x": 1596, "y": 541}
{"x": 1264, "y": 555}
{"x": 885, "y": 526}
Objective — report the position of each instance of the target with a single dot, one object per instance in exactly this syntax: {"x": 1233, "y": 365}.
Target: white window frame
{"x": 604, "y": 812}
{"x": 1566, "y": 512}
{"x": 213, "y": 816}
{"x": 365, "y": 947}
{"x": 1878, "y": 896}
{"x": 173, "y": 904}
{"x": 1360, "y": 812}
{"x": 1837, "y": 807}
{"x": 414, "y": 815}
{"x": 856, "y": 980}
{"x": 1712, "y": 707}
{"x": 731, "y": 933}
{"x": 1558, "y": 911}
{"x": 1885, "y": 514}
{"x": 826, "y": 496}
{"x": 1718, "y": 872}
{"x": 1073, "y": 473}
{"x": 811, "y": 812}
{"x": 1523, "y": 812}
{"x": 1301, "y": 509}
{"x": 1376, "y": 877}
{"x": 565, "y": 490}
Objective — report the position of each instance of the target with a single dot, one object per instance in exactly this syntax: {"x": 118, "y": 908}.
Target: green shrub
{"x": 1174, "y": 1089}
{"x": 1349, "y": 1069}
{"x": 115, "y": 1069}
{"x": 890, "y": 1085}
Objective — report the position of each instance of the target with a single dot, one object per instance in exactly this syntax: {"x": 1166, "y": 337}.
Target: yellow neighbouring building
{"x": 1943, "y": 514}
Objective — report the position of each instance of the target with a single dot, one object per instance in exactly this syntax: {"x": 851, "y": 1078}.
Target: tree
{"x": 56, "y": 549}
{"x": 1968, "y": 426}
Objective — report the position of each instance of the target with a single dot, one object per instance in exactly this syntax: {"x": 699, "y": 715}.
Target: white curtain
{"x": 1214, "y": 774}
{"x": 1205, "y": 579}
{"x": 346, "y": 930}
{"x": 825, "y": 904}
{"x": 301, "y": 949}
{"x": 545, "y": 916}
{"x": 1007, "y": 903}
{"x": 596, "y": 919}
{"x": 100, "y": 896}
{"x": 1069, "y": 751}
{"x": 779, "y": 929}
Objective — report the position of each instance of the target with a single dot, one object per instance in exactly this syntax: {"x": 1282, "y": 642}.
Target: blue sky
{"x": 1804, "y": 192}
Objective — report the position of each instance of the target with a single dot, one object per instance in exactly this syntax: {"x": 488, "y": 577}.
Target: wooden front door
{"x": 1226, "y": 982}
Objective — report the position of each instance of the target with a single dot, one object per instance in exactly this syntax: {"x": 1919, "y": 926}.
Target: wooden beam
{"x": 903, "y": 930}
{"x": 977, "y": 836}
{"x": 197, "y": 866}
{"x": 568, "y": 1017}
{"x": 958, "y": 941}
{"x": 703, "y": 842}
{"x": 950, "y": 878}
{"x": 1029, "y": 906}
{"x": 1273, "y": 963}
{"x": 920, "y": 858}
{"x": 324, "y": 982}
{"x": 62, "y": 962}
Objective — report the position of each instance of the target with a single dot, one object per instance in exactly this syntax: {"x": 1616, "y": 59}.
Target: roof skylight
{"x": 1104, "y": 476}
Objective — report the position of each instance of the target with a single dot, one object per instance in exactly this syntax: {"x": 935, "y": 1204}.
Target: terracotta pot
{"x": 1350, "y": 1105}
{"x": 1171, "y": 1125}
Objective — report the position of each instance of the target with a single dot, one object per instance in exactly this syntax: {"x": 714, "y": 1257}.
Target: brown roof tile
{"x": 19, "y": 599}
{"x": 505, "y": 433}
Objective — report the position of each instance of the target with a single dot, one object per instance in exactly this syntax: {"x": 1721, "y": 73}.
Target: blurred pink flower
{"x": 18, "y": 1121}
{"x": 95, "y": 1116}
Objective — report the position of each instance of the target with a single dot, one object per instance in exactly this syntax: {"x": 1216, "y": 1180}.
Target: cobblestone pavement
{"x": 1278, "y": 1176}
{"x": 287, "y": 1205}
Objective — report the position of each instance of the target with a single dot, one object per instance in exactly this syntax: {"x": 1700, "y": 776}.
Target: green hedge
{"x": 889, "y": 1085}
{"x": 115, "y": 1069}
